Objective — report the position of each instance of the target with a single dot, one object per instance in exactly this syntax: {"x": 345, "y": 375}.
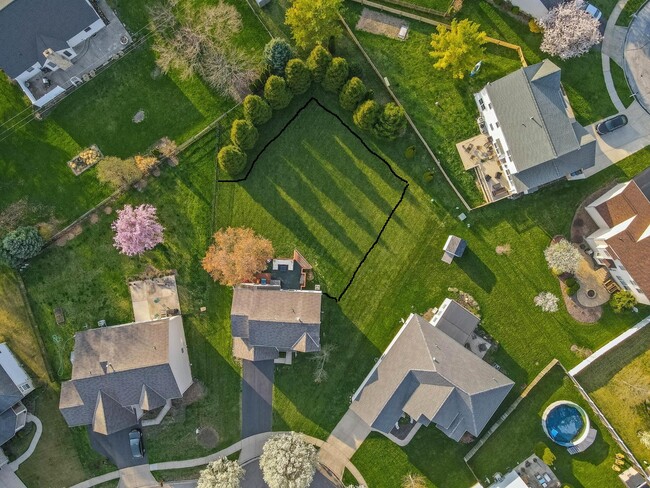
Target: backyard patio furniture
{"x": 488, "y": 177}
{"x": 498, "y": 175}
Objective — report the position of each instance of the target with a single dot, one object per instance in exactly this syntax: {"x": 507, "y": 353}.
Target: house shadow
{"x": 476, "y": 270}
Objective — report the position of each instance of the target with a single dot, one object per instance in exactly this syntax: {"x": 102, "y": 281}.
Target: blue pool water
{"x": 564, "y": 423}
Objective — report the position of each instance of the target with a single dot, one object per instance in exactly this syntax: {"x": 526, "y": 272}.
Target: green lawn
{"x": 619, "y": 383}
{"x": 441, "y": 5}
{"x": 33, "y": 157}
{"x": 419, "y": 86}
{"x": 628, "y": 11}
{"x": 328, "y": 199}
{"x": 518, "y": 437}
{"x": 620, "y": 83}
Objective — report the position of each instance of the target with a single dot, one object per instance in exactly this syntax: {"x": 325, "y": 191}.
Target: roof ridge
{"x": 539, "y": 113}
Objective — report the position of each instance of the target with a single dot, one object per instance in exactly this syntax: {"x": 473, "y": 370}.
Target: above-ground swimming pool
{"x": 565, "y": 423}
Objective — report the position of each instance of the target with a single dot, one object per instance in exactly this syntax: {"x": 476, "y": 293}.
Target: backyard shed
{"x": 454, "y": 248}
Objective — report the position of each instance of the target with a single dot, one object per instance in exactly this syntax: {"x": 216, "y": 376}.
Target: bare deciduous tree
{"x": 321, "y": 358}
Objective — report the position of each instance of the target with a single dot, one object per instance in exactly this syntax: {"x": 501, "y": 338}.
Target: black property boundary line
{"x": 388, "y": 165}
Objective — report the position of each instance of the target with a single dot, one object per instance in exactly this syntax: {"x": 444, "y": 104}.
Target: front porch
{"x": 479, "y": 154}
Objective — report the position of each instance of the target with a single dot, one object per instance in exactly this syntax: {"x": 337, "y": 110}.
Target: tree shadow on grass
{"x": 324, "y": 404}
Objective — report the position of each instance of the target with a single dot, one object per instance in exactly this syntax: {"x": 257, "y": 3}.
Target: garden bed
{"x": 86, "y": 159}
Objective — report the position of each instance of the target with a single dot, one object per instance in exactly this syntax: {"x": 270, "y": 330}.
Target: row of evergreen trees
{"x": 292, "y": 76}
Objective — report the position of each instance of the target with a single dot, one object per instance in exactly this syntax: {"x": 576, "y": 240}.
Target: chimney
{"x": 54, "y": 57}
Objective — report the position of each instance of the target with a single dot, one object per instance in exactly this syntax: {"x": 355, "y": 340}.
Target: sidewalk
{"x": 14, "y": 465}
{"x": 613, "y": 48}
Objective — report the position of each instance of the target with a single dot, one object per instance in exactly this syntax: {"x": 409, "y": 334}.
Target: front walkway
{"x": 343, "y": 442}
{"x": 14, "y": 465}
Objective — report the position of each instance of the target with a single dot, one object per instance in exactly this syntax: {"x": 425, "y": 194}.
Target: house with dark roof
{"x": 46, "y": 45}
{"x": 120, "y": 373}
{"x": 15, "y": 384}
{"x": 428, "y": 374}
{"x": 269, "y": 322}
{"x": 622, "y": 241}
{"x": 530, "y": 125}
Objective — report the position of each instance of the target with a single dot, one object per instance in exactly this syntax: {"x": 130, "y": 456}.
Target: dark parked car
{"x": 137, "y": 446}
{"x": 612, "y": 124}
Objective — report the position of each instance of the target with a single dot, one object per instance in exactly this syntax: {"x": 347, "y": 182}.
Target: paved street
{"x": 116, "y": 448}
{"x": 257, "y": 397}
{"x": 637, "y": 56}
{"x": 253, "y": 478}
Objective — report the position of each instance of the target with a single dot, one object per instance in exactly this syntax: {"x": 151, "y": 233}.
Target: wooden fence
{"x": 517, "y": 48}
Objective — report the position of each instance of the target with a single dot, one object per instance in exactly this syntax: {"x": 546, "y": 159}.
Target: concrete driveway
{"x": 116, "y": 448}
{"x": 343, "y": 442}
{"x": 257, "y": 397}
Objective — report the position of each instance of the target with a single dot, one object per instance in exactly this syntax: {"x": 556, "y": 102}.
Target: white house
{"x": 38, "y": 37}
{"x": 622, "y": 241}
{"x": 531, "y": 126}
{"x": 15, "y": 384}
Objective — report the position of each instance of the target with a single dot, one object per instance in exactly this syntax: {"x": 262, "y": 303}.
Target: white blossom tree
{"x": 569, "y": 31}
{"x": 562, "y": 257}
{"x": 288, "y": 461}
{"x": 547, "y": 301}
{"x": 221, "y": 473}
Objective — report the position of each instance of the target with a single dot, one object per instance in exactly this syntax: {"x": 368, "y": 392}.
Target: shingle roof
{"x": 457, "y": 322}
{"x": 269, "y": 317}
{"x": 631, "y": 245}
{"x": 28, "y": 27}
{"x": 531, "y": 111}
{"x": 9, "y": 392}
{"x": 433, "y": 376}
{"x": 7, "y": 425}
{"x": 455, "y": 245}
{"x": 110, "y": 416}
{"x": 119, "y": 362}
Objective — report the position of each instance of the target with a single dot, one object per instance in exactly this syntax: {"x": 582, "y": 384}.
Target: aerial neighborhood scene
{"x": 325, "y": 243}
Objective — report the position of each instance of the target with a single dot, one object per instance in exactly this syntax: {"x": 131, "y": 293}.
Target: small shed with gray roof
{"x": 428, "y": 374}
{"x": 269, "y": 322}
{"x": 120, "y": 372}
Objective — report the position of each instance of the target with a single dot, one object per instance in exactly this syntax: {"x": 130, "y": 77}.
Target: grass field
{"x": 33, "y": 156}
{"x": 628, "y": 11}
{"x": 620, "y": 84}
{"x": 619, "y": 383}
{"x": 518, "y": 437}
{"x": 419, "y": 86}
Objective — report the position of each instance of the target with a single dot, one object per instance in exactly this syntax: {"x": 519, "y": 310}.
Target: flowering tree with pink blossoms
{"x": 569, "y": 31}
{"x": 137, "y": 229}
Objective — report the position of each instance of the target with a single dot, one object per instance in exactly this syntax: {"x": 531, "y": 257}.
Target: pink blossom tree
{"x": 137, "y": 229}
{"x": 569, "y": 31}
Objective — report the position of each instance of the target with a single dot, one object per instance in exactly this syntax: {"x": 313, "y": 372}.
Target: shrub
{"x": 145, "y": 163}
{"x": 318, "y": 61}
{"x": 503, "y": 249}
{"x": 391, "y": 122}
{"x": 548, "y": 457}
{"x": 352, "y": 93}
{"x": 243, "y": 134}
{"x": 562, "y": 257}
{"x": 573, "y": 289}
{"x": 118, "y": 173}
{"x": 298, "y": 76}
{"x": 515, "y": 9}
{"x": 20, "y": 245}
{"x": 410, "y": 152}
{"x": 277, "y": 54}
{"x": 644, "y": 438}
{"x": 232, "y": 160}
{"x": 428, "y": 176}
{"x": 570, "y": 281}
{"x": 277, "y": 93}
{"x": 336, "y": 75}
{"x": 547, "y": 301}
{"x": 366, "y": 115}
{"x": 356, "y": 69}
{"x": 256, "y": 110}
{"x": 534, "y": 27}
{"x": 622, "y": 300}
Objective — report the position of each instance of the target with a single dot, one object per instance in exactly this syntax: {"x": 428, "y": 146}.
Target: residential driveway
{"x": 637, "y": 56}
{"x": 343, "y": 442}
{"x": 116, "y": 448}
{"x": 623, "y": 142}
{"x": 257, "y": 397}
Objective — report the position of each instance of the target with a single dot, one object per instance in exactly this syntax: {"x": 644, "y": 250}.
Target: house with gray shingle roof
{"x": 269, "y": 322}
{"x": 429, "y": 374}
{"x": 121, "y": 372}
{"x": 532, "y": 128}
{"x": 15, "y": 384}
{"x": 39, "y": 37}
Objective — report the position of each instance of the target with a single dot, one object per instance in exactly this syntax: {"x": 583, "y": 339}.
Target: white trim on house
{"x": 12, "y": 367}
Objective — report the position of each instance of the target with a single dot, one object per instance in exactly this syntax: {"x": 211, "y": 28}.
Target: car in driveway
{"x": 135, "y": 441}
{"x": 612, "y": 124}
{"x": 593, "y": 11}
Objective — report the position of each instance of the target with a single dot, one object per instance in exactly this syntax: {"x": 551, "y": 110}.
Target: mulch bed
{"x": 582, "y": 224}
{"x": 207, "y": 437}
{"x": 582, "y": 314}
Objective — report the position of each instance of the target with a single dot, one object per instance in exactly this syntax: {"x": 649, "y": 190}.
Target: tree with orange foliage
{"x": 236, "y": 255}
